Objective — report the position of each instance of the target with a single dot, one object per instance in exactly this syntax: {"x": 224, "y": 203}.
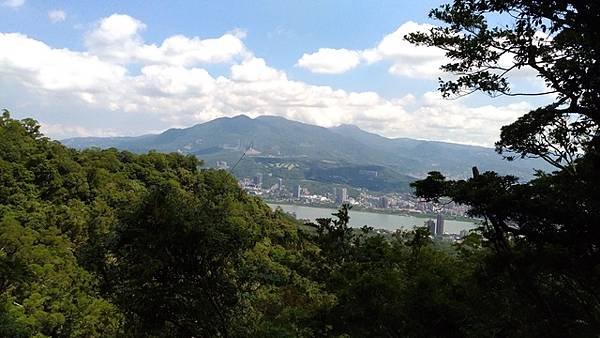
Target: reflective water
{"x": 376, "y": 220}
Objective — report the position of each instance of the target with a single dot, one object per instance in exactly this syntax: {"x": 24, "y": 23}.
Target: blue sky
{"x": 102, "y": 68}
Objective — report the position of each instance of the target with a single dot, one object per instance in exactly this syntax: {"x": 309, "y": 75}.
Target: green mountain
{"x": 417, "y": 157}
{"x": 347, "y": 155}
{"x": 271, "y": 136}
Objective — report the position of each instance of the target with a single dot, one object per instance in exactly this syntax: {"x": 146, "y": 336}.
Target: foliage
{"x": 149, "y": 245}
{"x": 558, "y": 40}
{"x": 106, "y": 242}
{"x": 543, "y": 233}
{"x": 98, "y": 243}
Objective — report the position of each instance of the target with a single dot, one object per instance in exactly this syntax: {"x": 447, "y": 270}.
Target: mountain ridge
{"x": 308, "y": 146}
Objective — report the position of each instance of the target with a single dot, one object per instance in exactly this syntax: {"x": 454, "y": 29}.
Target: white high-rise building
{"x": 342, "y": 196}
{"x": 258, "y": 180}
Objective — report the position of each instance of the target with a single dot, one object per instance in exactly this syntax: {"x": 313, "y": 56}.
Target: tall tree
{"x": 558, "y": 40}
{"x": 545, "y": 232}
{"x": 174, "y": 255}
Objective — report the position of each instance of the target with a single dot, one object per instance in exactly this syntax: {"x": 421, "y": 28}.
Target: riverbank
{"x": 376, "y": 211}
{"x": 383, "y": 221}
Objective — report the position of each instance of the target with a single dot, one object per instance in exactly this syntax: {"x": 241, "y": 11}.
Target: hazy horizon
{"x": 157, "y": 132}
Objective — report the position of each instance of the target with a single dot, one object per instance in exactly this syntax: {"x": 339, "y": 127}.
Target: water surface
{"x": 375, "y": 220}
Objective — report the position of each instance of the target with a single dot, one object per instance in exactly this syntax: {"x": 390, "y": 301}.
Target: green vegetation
{"x": 544, "y": 233}
{"x": 108, "y": 243}
{"x": 297, "y": 151}
{"x": 103, "y": 243}
{"x": 322, "y": 176}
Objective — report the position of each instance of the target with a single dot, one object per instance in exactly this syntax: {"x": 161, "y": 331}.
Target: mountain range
{"x": 346, "y": 154}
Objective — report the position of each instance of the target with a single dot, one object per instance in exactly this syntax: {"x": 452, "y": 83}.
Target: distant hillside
{"x": 272, "y": 136}
{"x": 295, "y": 150}
{"x": 418, "y": 157}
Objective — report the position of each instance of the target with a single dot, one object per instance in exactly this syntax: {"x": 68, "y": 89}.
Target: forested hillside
{"x": 307, "y": 145}
{"x": 107, "y": 243}
{"x": 100, "y": 243}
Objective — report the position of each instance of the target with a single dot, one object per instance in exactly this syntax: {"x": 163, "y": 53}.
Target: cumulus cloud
{"x": 172, "y": 87}
{"x": 117, "y": 38}
{"x": 38, "y": 65}
{"x": 255, "y": 69}
{"x": 13, "y": 3}
{"x": 163, "y": 80}
{"x": 410, "y": 61}
{"x": 57, "y": 15}
{"x": 406, "y": 59}
{"x": 330, "y": 61}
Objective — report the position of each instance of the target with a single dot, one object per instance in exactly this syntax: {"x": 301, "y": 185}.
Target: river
{"x": 375, "y": 220}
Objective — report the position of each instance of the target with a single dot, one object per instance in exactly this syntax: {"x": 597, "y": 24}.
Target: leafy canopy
{"x": 545, "y": 232}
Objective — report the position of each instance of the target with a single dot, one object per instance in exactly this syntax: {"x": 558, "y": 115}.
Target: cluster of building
{"x": 391, "y": 202}
{"x": 436, "y": 228}
{"x": 396, "y": 202}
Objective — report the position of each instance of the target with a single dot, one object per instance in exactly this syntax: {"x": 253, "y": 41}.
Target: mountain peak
{"x": 277, "y": 137}
{"x": 241, "y": 117}
{"x": 272, "y": 118}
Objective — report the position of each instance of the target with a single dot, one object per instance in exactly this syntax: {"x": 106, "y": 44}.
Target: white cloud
{"x": 185, "y": 51}
{"x": 171, "y": 80}
{"x": 330, "y": 61}
{"x": 117, "y": 38}
{"x": 172, "y": 88}
{"x": 406, "y": 59}
{"x": 57, "y": 15}
{"x": 255, "y": 69}
{"x": 61, "y": 131}
{"x": 411, "y": 61}
{"x": 38, "y": 65}
{"x": 116, "y": 28}
{"x": 13, "y": 3}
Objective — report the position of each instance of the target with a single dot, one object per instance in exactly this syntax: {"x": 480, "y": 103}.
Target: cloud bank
{"x": 120, "y": 73}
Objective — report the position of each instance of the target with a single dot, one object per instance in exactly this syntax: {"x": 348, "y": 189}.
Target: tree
{"x": 558, "y": 40}
{"x": 45, "y": 292}
{"x": 174, "y": 255}
{"x": 111, "y": 243}
{"x": 545, "y": 232}
{"x": 334, "y": 236}
{"x": 397, "y": 285}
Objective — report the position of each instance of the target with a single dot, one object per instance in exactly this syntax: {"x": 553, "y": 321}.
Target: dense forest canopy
{"x": 109, "y": 243}
{"x": 102, "y": 243}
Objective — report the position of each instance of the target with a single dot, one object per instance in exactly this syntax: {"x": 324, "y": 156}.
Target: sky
{"x": 113, "y": 68}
